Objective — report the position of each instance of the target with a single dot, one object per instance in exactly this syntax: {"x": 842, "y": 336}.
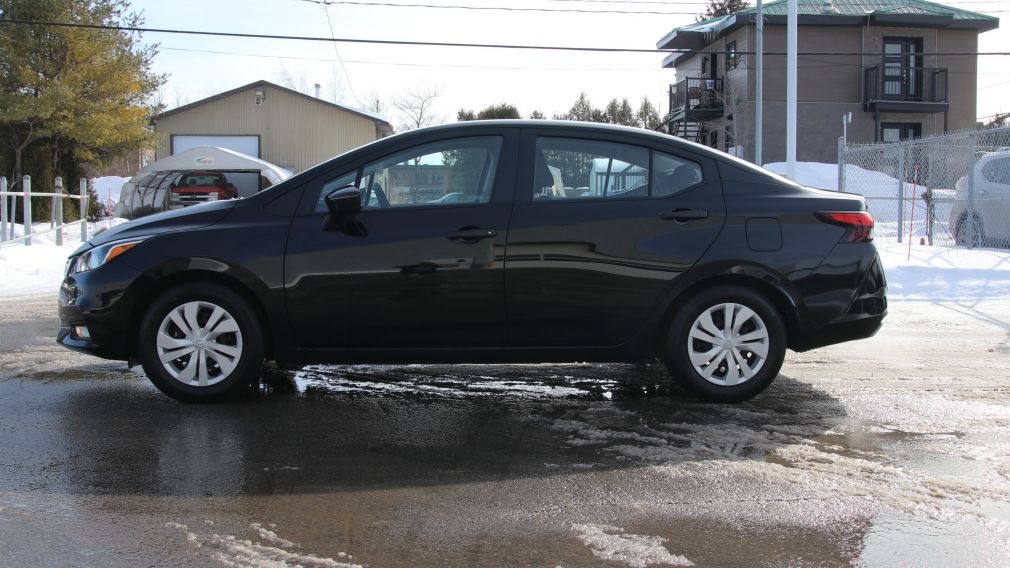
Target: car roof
{"x": 573, "y": 125}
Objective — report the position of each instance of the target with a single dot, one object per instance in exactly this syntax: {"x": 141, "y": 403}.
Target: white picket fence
{"x": 56, "y": 223}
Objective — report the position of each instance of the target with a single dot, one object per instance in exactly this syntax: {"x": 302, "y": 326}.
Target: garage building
{"x": 285, "y": 127}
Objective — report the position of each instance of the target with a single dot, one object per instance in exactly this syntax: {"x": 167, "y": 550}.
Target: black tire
{"x": 963, "y": 234}
{"x": 231, "y": 359}
{"x": 761, "y": 317}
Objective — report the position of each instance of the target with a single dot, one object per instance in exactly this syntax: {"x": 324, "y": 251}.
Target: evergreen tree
{"x": 717, "y": 8}
{"x": 647, "y": 115}
{"x": 620, "y": 113}
{"x": 503, "y": 110}
{"x": 71, "y": 95}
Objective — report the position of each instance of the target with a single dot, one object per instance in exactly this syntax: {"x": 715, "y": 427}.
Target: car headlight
{"x": 101, "y": 255}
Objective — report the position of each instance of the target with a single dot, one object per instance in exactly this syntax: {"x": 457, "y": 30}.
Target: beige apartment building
{"x": 899, "y": 66}
{"x": 285, "y": 127}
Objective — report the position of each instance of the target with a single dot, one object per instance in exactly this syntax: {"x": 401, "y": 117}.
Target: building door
{"x": 903, "y": 68}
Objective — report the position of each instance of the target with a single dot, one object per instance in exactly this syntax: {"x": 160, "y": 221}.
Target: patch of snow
{"x": 235, "y": 552}
{"x": 636, "y": 551}
{"x": 271, "y": 536}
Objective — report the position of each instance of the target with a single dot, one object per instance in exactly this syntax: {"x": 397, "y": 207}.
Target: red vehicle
{"x": 197, "y": 187}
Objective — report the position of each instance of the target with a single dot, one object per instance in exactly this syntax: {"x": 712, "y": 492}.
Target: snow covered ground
{"x": 38, "y": 269}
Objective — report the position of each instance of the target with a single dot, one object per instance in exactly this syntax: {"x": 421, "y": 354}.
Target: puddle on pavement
{"x": 107, "y": 372}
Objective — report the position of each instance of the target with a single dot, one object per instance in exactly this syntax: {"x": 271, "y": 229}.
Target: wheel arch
{"x": 155, "y": 282}
{"x": 760, "y": 280}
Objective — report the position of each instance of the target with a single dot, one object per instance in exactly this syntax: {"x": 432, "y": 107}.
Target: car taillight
{"x": 860, "y": 224}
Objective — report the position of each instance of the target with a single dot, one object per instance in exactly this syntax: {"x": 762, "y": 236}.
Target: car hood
{"x": 193, "y": 217}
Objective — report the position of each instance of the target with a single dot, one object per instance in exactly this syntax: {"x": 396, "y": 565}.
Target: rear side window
{"x": 589, "y": 169}
{"x": 997, "y": 171}
{"x": 672, "y": 174}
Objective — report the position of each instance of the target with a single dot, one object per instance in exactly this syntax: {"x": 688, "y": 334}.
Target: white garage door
{"x": 249, "y": 145}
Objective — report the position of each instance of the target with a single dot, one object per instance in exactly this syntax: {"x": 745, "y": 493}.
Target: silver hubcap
{"x": 199, "y": 344}
{"x": 728, "y": 344}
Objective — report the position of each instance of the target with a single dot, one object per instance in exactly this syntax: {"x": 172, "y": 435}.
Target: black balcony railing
{"x": 890, "y": 86}
{"x": 695, "y": 93}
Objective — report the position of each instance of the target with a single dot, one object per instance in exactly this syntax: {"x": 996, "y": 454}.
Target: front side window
{"x": 334, "y": 184}
{"x": 440, "y": 173}
{"x": 588, "y": 169}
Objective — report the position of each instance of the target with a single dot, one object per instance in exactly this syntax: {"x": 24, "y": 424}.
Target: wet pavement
{"x": 888, "y": 452}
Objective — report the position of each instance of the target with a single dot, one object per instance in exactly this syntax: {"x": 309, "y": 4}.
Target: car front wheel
{"x": 200, "y": 342}
{"x": 725, "y": 344}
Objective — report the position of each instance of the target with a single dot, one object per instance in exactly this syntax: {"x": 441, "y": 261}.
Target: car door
{"x": 601, "y": 229}
{"x": 421, "y": 270}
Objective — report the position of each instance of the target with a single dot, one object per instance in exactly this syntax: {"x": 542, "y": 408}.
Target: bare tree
{"x": 296, "y": 82}
{"x": 736, "y": 133}
{"x": 376, "y": 101}
{"x": 418, "y": 107}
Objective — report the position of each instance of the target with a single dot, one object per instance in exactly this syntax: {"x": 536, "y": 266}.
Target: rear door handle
{"x": 472, "y": 235}
{"x": 683, "y": 215}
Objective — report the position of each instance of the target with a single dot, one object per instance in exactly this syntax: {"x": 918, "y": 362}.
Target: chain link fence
{"x": 949, "y": 190}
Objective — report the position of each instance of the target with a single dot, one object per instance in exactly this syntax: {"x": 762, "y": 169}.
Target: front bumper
{"x": 100, "y": 300}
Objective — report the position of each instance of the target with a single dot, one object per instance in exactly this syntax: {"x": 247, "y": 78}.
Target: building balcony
{"x": 897, "y": 88}
{"x": 695, "y": 99}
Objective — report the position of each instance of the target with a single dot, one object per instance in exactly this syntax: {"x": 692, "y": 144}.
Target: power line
{"x": 804, "y": 59}
{"x": 403, "y": 64}
{"x": 467, "y": 45}
{"x": 326, "y": 10}
{"x": 497, "y": 8}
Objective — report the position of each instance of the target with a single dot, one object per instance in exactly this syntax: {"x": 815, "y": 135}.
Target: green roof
{"x": 914, "y": 13}
{"x": 864, "y": 7}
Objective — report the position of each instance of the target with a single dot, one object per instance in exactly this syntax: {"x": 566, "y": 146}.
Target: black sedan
{"x": 560, "y": 242}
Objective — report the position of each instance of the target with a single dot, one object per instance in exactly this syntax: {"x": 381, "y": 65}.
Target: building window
{"x": 713, "y": 139}
{"x": 704, "y": 65}
{"x": 732, "y": 58}
{"x": 898, "y": 131}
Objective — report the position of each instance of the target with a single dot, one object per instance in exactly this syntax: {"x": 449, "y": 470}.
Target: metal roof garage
{"x": 280, "y": 125}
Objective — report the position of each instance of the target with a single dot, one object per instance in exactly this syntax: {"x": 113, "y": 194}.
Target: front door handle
{"x": 684, "y": 215}
{"x": 472, "y": 234}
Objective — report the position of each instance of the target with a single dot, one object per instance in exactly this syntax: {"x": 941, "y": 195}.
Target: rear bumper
{"x": 862, "y": 317}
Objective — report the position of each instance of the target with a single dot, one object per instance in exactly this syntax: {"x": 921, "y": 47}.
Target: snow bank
{"x": 107, "y": 190}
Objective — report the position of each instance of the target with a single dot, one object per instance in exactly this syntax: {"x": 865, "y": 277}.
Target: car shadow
{"x": 330, "y": 429}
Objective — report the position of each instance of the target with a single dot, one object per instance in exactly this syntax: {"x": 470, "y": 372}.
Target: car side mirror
{"x": 343, "y": 206}
{"x": 344, "y": 201}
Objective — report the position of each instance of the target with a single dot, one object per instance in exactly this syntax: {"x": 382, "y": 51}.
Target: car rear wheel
{"x": 969, "y": 233}
{"x": 725, "y": 344}
{"x": 200, "y": 342}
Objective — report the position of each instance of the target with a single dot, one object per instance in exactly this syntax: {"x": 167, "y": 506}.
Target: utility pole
{"x": 791, "y": 48}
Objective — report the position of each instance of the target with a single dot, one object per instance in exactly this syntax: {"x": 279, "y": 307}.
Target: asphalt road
{"x": 888, "y": 452}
